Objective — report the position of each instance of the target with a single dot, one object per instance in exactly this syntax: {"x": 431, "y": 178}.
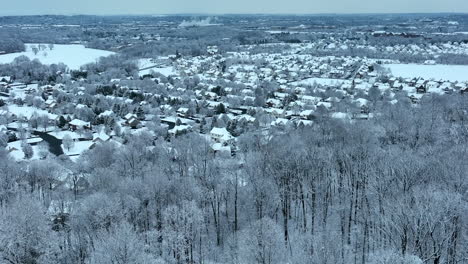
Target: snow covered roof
{"x": 280, "y": 122}
{"x": 79, "y": 123}
{"x": 361, "y": 101}
{"x": 106, "y": 113}
{"x": 221, "y": 133}
{"x": 180, "y": 128}
{"x": 307, "y": 112}
{"x": 129, "y": 116}
{"x": 6, "y": 78}
{"x": 101, "y": 136}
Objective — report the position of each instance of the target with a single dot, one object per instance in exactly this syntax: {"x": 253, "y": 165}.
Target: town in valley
{"x": 234, "y": 138}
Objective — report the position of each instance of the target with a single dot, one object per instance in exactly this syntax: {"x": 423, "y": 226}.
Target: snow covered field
{"x": 436, "y": 72}
{"x": 149, "y": 66}
{"x": 74, "y": 56}
{"x": 28, "y": 111}
{"x": 145, "y": 63}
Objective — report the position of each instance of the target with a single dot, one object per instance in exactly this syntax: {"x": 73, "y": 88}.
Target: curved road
{"x": 54, "y": 143}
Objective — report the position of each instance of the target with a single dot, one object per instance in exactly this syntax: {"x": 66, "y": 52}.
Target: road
{"x": 54, "y": 143}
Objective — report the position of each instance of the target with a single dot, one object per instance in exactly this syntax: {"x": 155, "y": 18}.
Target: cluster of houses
{"x": 233, "y": 93}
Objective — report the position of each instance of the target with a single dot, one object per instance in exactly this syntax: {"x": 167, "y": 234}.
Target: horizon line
{"x": 237, "y": 14}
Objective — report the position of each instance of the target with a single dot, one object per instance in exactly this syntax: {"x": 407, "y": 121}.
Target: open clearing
{"x": 74, "y": 56}
{"x": 436, "y": 72}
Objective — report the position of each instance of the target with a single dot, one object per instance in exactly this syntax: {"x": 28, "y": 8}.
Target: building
{"x": 76, "y": 124}
{"x": 220, "y": 135}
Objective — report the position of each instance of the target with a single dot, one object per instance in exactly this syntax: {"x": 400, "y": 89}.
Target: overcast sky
{"x": 110, "y": 7}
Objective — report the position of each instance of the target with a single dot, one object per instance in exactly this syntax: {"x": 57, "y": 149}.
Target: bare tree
{"x": 68, "y": 142}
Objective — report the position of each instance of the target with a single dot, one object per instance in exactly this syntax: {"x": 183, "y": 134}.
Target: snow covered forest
{"x": 241, "y": 140}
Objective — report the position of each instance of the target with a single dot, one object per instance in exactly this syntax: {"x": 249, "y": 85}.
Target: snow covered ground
{"x": 20, "y": 92}
{"x": 17, "y": 151}
{"x": 436, "y": 72}
{"x": 28, "y": 111}
{"x": 148, "y": 63}
{"x": 166, "y": 71}
{"x": 78, "y": 148}
{"x": 74, "y": 56}
{"x": 62, "y": 133}
{"x": 145, "y": 63}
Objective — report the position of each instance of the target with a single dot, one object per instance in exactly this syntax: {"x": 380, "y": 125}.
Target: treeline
{"x": 26, "y": 70}
{"x": 10, "y": 45}
{"x": 392, "y": 189}
{"x": 403, "y": 57}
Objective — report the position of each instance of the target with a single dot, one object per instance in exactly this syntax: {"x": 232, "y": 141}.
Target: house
{"x": 326, "y": 105}
{"x": 133, "y": 122}
{"x": 421, "y": 87}
{"x": 183, "y": 111}
{"x": 307, "y": 114}
{"x": 277, "y": 112}
{"x": 6, "y": 79}
{"x": 220, "y": 135}
{"x": 246, "y": 118}
{"x": 415, "y": 98}
{"x": 305, "y": 123}
{"x": 49, "y": 89}
{"x": 273, "y": 103}
{"x": 79, "y": 124}
{"x": 280, "y": 122}
{"x": 363, "y": 105}
{"x": 307, "y": 99}
{"x": 100, "y": 137}
{"x": 130, "y": 116}
{"x": 397, "y": 86}
{"x": 212, "y": 50}
{"x": 178, "y": 130}
{"x": 50, "y": 103}
{"x": 106, "y": 114}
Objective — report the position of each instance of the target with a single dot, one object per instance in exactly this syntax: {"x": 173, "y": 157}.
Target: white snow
{"x": 74, "y": 56}
{"x": 437, "y": 72}
{"x": 27, "y": 111}
{"x": 63, "y": 133}
{"x": 18, "y": 153}
{"x": 78, "y": 148}
{"x": 166, "y": 71}
{"x": 321, "y": 81}
{"x": 147, "y": 63}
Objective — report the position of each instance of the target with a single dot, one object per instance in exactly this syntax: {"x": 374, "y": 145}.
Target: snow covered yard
{"x": 74, "y": 56}
{"x": 16, "y": 150}
{"x": 436, "y": 72}
{"x": 27, "y": 111}
{"x": 62, "y": 133}
{"x": 77, "y": 148}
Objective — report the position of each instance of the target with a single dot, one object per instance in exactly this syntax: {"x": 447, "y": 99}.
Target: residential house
{"x": 221, "y": 135}
{"x": 76, "y": 124}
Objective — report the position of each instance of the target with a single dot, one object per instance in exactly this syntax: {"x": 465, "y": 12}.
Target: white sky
{"x": 110, "y": 7}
